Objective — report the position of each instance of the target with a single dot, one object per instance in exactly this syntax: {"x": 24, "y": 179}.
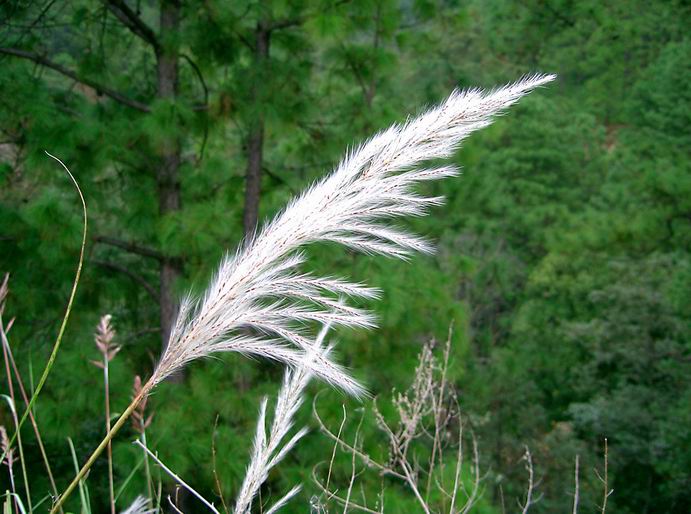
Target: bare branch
{"x": 130, "y": 247}
{"x": 131, "y": 274}
{"x": 367, "y": 460}
{"x": 43, "y": 61}
{"x": 287, "y": 23}
{"x": 198, "y": 72}
{"x": 133, "y": 22}
{"x": 333, "y": 495}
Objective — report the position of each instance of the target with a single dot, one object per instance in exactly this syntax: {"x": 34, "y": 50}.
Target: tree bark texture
{"x": 167, "y": 175}
{"x": 255, "y": 140}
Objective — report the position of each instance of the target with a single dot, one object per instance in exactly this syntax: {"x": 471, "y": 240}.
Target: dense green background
{"x": 564, "y": 248}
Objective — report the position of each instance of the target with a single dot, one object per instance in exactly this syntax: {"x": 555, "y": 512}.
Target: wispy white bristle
{"x": 139, "y": 506}
{"x": 269, "y": 449}
{"x": 258, "y": 294}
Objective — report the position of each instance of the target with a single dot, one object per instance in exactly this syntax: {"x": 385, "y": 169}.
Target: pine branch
{"x": 44, "y": 61}
{"x": 131, "y": 274}
{"x": 134, "y": 23}
{"x": 130, "y": 247}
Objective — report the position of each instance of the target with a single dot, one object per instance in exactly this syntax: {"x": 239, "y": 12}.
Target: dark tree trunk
{"x": 255, "y": 140}
{"x": 167, "y": 176}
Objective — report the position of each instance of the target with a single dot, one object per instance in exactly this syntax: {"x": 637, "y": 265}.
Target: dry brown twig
{"x": 607, "y": 491}
{"x": 531, "y": 481}
{"x": 576, "y": 487}
{"x": 423, "y": 414}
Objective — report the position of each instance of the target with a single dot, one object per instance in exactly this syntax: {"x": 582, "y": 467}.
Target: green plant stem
{"x": 83, "y": 491}
{"x": 102, "y": 446}
{"x": 63, "y": 325}
{"x": 147, "y": 470}
{"x": 106, "y": 382}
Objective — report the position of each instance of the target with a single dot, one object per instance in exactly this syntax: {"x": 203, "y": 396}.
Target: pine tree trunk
{"x": 255, "y": 141}
{"x": 167, "y": 176}
{"x": 168, "y": 182}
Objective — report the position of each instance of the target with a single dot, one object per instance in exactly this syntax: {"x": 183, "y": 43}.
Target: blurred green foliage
{"x": 564, "y": 248}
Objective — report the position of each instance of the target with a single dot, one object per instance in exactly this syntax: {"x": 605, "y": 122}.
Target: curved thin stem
{"x": 58, "y": 340}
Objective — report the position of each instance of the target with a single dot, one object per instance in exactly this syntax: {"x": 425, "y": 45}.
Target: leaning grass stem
{"x": 83, "y": 491}
{"x": 102, "y": 446}
{"x": 68, "y": 310}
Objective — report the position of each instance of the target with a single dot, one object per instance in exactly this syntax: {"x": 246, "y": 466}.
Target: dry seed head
{"x": 104, "y": 340}
{"x": 5, "y": 445}
{"x": 139, "y": 420}
{"x": 4, "y": 288}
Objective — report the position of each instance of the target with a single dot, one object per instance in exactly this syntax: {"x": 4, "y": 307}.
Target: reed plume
{"x": 268, "y": 451}
{"x": 258, "y": 300}
{"x": 139, "y": 506}
{"x": 260, "y": 304}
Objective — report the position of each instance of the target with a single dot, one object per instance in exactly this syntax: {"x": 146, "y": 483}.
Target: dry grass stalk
{"x": 576, "y": 487}
{"x": 270, "y": 449}
{"x": 424, "y": 415}
{"x": 528, "y": 458}
{"x": 604, "y": 479}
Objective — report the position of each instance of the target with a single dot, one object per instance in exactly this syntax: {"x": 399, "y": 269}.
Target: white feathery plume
{"x": 260, "y": 304}
{"x": 138, "y": 506}
{"x": 268, "y": 451}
